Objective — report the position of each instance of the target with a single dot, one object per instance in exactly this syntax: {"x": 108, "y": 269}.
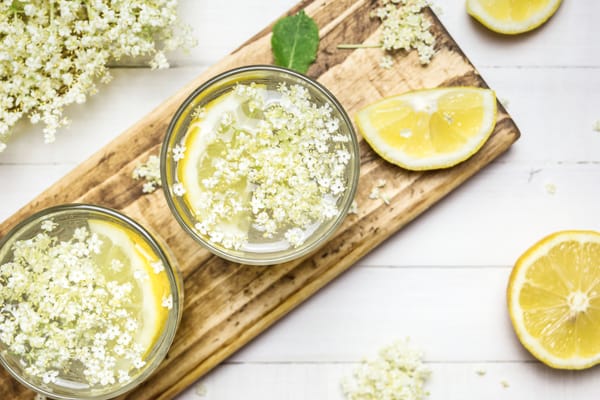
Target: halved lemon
{"x": 429, "y": 129}
{"x": 136, "y": 259}
{"x": 554, "y": 299}
{"x": 512, "y": 16}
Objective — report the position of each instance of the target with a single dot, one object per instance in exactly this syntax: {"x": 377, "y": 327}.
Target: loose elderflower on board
{"x": 53, "y": 53}
{"x": 397, "y": 373}
{"x": 377, "y": 194}
{"x": 404, "y": 28}
{"x": 150, "y": 172}
{"x": 353, "y": 210}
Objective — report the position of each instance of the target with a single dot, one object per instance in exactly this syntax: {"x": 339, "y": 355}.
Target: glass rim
{"x": 167, "y": 336}
{"x": 354, "y": 167}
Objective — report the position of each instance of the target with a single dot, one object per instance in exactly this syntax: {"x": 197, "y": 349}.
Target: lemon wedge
{"x": 429, "y": 129}
{"x": 136, "y": 259}
{"x": 512, "y": 16}
{"x": 554, "y": 299}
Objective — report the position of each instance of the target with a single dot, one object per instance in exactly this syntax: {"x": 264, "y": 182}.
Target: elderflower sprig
{"x": 53, "y": 53}
{"x": 404, "y": 28}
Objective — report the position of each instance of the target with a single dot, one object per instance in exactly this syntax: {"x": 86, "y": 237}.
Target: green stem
{"x": 88, "y": 10}
{"x": 358, "y": 46}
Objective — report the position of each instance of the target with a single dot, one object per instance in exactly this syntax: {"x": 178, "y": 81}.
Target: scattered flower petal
{"x": 150, "y": 172}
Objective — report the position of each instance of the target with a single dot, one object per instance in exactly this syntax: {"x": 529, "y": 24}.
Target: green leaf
{"x": 295, "y": 42}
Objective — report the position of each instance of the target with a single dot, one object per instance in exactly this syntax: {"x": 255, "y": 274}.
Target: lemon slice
{"x": 554, "y": 299}
{"x": 429, "y": 129}
{"x": 136, "y": 258}
{"x": 512, "y": 16}
{"x": 201, "y": 151}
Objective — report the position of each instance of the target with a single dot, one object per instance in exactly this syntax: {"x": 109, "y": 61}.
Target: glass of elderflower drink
{"x": 260, "y": 165}
{"x": 90, "y": 302}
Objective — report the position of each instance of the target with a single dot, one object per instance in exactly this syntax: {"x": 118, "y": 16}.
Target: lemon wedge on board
{"x": 431, "y": 128}
{"x": 512, "y": 16}
{"x": 554, "y": 299}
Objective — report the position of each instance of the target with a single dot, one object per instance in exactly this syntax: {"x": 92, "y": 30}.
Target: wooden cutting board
{"x": 227, "y": 305}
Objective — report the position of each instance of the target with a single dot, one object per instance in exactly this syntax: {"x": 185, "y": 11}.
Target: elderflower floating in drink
{"x": 90, "y": 302}
{"x": 260, "y": 165}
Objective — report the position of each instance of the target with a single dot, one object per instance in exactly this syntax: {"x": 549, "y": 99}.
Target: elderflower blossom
{"x": 377, "y": 194}
{"x": 386, "y": 62}
{"x": 60, "y": 313}
{"x": 292, "y": 156}
{"x": 178, "y": 152}
{"x": 48, "y": 225}
{"x": 353, "y": 208}
{"x": 53, "y": 53}
{"x": 398, "y": 373}
{"x": 200, "y": 389}
{"x": 404, "y": 28}
{"x": 150, "y": 172}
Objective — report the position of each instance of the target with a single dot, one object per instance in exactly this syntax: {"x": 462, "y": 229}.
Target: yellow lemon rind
{"x": 477, "y": 12}
{"x": 515, "y": 283}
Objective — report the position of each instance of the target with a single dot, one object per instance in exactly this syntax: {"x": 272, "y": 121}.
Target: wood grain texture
{"x": 226, "y": 305}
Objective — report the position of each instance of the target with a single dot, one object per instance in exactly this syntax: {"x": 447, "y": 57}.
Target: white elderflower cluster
{"x": 353, "y": 210}
{"x": 377, "y": 194}
{"x": 60, "y": 315}
{"x": 150, "y": 172}
{"x": 52, "y": 53}
{"x": 405, "y": 27}
{"x": 398, "y": 373}
{"x": 289, "y": 152}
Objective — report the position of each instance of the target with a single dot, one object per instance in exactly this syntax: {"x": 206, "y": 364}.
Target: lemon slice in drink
{"x": 429, "y": 129}
{"x": 554, "y": 299}
{"x": 512, "y": 16}
{"x": 135, "y": 259}
{"x": 198, "y": 163}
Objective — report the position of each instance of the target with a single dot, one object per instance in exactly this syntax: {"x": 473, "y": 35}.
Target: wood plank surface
{"x": 226, "y": 305}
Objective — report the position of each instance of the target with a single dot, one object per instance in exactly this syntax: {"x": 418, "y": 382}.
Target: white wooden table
{"x": 442, "y": 279}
